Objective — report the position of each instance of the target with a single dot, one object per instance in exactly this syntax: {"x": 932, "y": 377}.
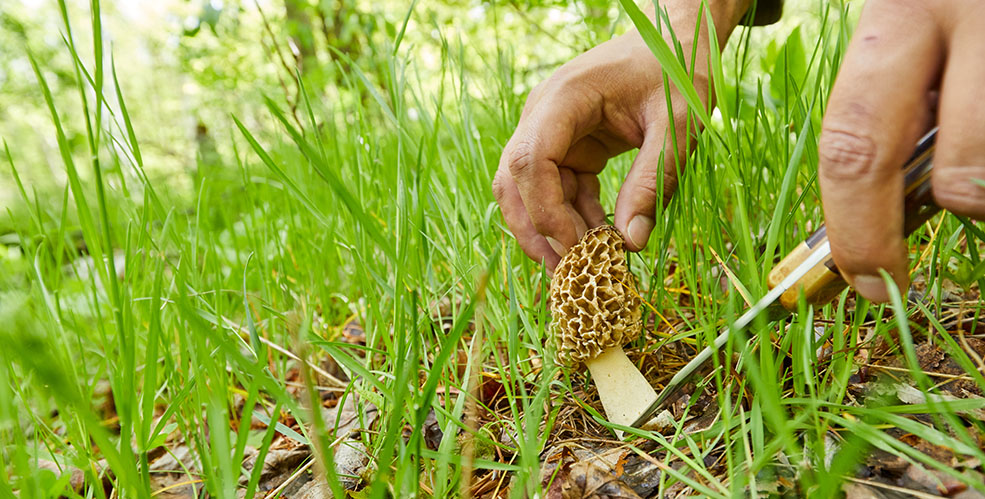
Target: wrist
{"x": 728, "y": 14}
{"x": 683, "y": 16}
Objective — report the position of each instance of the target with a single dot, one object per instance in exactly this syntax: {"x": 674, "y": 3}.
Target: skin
{"x": 925, "y": 49}
{"x": 611, "y": 99}
{"x": 604, "y": 102}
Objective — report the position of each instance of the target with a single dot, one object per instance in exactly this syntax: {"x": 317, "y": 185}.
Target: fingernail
{"x": 639, "y": 229}
{"x": 872, "y": 287}
{"x": 557, "y": 246}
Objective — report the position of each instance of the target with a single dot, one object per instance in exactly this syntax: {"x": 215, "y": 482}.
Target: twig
{"x": 906, "y": 370}
{"x": 175, "y": 485}
{"x": 341, "y": 384}
{"x": 292, "y": 478}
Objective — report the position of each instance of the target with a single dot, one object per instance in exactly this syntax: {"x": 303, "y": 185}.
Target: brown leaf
{"x": 589, "y": 475}
{"x": 937, "y": 363}
{"x": 491, "y": 389}
{"x": 557, "y": 480}
{"x": 882, "y": 463}
{"x": 641, "y": 474}
{"x": 352, "y": 332}
{"x": 590, "y": 481}
{"x": 555, "y": 470}
{"x": 932, "y": 481}
{"x": 278, "y": 466}
{"x": 621, "y": 465}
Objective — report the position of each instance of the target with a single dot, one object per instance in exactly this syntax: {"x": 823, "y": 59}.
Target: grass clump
{"x": 345, "y": 289}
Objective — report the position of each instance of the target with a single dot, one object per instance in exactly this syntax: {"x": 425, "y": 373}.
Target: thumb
{"x": 638, "y": 197}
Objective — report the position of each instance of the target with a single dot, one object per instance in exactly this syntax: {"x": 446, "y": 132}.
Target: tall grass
{"x": 380, "y": 212}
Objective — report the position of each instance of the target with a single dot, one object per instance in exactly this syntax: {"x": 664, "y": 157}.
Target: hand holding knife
{"x": 809, "y": 269}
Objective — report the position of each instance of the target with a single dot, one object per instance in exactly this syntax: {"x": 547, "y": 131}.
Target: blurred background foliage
{"x": 186, "y": 66}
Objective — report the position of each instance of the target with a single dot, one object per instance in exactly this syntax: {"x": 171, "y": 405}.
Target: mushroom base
{"x": 625, "y": 393}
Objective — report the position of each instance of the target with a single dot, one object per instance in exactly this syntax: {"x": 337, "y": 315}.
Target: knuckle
{"x": 564, "y": 76}
{"x": 845, "y": 155}
{"x": 521, "y": 158}
{"x": 499, "y": 186}
{"x": 646, "y": 185}
{"x": 956, "y": 189}
{"x": 568, "y": 82}
{"x": 946, "y": 188}
{"x": 948, "y": 201}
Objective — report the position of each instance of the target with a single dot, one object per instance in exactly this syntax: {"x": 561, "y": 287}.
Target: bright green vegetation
{"x": 371, "y": 201}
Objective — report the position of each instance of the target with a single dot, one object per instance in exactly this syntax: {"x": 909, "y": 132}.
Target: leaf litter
{"x": 582, "y": 459}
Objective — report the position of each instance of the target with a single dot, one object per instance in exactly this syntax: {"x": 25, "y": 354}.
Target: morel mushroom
{"x": 596, "y": 310}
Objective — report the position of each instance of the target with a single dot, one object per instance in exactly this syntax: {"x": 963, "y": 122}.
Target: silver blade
{"x": 677, "y": 382}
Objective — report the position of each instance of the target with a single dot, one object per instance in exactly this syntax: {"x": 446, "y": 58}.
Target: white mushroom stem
{"x": 625, "y": 393}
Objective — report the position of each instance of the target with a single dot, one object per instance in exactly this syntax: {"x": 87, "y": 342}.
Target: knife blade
{"x": 810, "y": 271}
{"x": 680, "y": 379}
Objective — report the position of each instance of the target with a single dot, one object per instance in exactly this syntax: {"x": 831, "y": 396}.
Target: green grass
{"x": 376, "y": 212}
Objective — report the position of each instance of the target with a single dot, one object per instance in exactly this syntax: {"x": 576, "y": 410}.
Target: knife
{"x": 809, "y": 270}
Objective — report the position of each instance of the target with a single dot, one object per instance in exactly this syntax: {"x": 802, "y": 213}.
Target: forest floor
{"x": 582, "y": 458}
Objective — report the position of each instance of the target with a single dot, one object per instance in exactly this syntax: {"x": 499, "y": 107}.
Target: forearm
{"x": 689, "y": 27}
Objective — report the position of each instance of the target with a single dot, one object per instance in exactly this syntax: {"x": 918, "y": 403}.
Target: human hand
{"x": 904, "y": 54}
{"x": 601, "y": 104}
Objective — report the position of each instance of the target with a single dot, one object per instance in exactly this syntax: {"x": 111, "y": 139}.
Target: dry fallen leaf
{"x": 574, "y": 472}
{"x": 588, "y": 480}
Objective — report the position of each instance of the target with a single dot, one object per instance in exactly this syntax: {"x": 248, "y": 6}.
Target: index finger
{"x": 868, "y": 132}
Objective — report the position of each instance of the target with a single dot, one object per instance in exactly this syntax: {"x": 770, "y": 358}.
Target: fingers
{"x": 959, "y": 163}
{"x": 637, "y": 201}
{"x": 867, "y": 135}
{"x": 581, "y": 195}
{"x": 569, "y": 184}
{"x": 584, "y": 160}
{"x": 533, "y": 156}
{"x": 533, "y": 244}
{"x": 587, "y": 200}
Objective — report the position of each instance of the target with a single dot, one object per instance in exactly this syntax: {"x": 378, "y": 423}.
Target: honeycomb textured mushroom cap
{"x": 594, "y": 301}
